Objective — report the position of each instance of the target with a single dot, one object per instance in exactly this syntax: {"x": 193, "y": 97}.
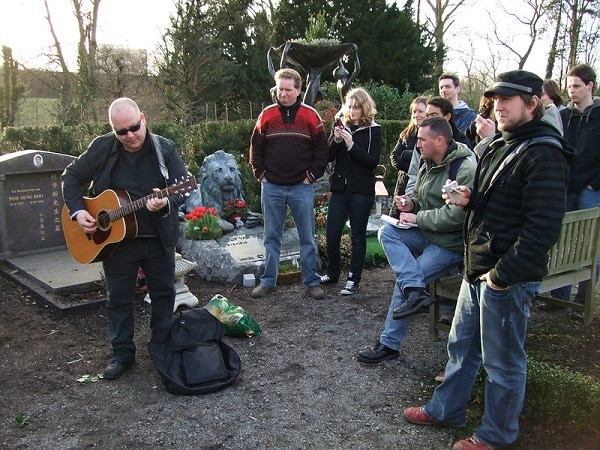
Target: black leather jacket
{"x": 96, "y": 165}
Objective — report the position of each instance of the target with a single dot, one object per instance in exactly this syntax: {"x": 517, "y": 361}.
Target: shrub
{"x": 194, "y": 143}
{"x": 345, "y": 249}
{"x": 374, "y": 257}
{"x": 555, "y": 394}
{"x": 375, "y": 254}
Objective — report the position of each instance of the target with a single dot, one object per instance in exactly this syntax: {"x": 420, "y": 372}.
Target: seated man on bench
{"x": 420, "y": 254}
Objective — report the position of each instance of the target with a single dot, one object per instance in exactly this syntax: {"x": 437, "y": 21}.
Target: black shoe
{"x": 416, "y": 302}
{"x": 116, "y": 368}
{"x": 377, "y": 354}
{"x": 576, "y": 315}
{"x": 350, "y": 288}
{"x": 326, "y": 279}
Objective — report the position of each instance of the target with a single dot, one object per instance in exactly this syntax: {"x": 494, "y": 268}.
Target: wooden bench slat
{"x": 572, "y": 259}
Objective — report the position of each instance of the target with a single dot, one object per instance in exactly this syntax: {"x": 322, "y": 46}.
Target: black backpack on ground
{"x": 190, "y": 356}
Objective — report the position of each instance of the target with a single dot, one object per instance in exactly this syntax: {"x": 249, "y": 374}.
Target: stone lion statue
{"x": 220, "y": 180}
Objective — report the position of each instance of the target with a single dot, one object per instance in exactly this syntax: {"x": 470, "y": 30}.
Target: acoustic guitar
{"x": 113, "y": 210}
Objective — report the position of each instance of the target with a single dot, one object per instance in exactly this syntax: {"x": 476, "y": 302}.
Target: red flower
{"x": 234, "y": 207}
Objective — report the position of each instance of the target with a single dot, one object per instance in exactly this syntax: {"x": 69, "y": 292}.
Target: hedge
{"x": 194, "y": 143}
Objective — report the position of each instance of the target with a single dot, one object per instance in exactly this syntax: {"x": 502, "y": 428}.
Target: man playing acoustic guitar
{"x": 136, "y": 164}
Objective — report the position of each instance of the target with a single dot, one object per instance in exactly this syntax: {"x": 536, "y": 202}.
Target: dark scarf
{"x": 505, "y": 142}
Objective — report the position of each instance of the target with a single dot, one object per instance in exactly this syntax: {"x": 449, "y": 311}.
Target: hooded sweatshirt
{"x": 582, "y": 131}
{"x": 463, "y": 116}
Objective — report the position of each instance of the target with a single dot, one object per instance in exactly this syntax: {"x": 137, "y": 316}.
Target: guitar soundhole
{"x": 103, "y": 220}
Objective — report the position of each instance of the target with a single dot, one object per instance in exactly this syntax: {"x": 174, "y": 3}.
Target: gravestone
{"x": 237, "y": 253}
{"x": 31, "y": 202}
{"x": 33, "y": 251}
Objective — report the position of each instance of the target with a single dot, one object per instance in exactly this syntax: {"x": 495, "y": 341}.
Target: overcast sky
{"x": 135, "y": 24}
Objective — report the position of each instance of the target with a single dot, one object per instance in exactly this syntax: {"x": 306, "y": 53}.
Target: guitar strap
{"x": 161, "y": 158}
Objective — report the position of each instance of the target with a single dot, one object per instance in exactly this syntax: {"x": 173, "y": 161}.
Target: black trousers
{"x": 120, "y": 270}
{"x": 343, "y": 206}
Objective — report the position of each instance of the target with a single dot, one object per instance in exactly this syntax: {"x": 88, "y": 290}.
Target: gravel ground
{"x": 300, "y": 385}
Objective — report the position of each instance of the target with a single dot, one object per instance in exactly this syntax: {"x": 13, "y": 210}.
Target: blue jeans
{"x": 489, "y": 328}
{"x": 416, "y": 262}
{"x": 275, "y": 200}
{"x": 357, "y": 207}
{"x": 588, "y": 198}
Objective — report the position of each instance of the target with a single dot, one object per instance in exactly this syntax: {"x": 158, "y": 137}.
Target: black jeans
{"x": 121, "y": 269}
{"x": 356, "y": 207}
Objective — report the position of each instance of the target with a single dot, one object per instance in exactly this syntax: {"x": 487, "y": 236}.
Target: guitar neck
{"x": 133, "y": 206}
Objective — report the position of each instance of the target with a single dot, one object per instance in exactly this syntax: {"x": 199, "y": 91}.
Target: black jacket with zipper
{"x": 353, "y": 170}
{"x": 516, "y": 208}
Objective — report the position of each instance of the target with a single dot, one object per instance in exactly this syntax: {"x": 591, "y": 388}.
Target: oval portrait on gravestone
{"x": 38, "y": 160}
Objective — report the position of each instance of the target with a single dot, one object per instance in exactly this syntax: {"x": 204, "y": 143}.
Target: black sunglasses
{"x": 133, "y": 129}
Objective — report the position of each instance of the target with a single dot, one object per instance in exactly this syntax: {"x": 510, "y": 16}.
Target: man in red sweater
{"x": 288, "y": 152}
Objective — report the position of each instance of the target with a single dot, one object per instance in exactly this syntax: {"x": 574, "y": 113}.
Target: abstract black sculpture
{"x": 315, "y": 59}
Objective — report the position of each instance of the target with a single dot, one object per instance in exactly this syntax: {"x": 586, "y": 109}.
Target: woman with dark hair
{"x": 551, "y": 94}
{"x": 486, "y": 111}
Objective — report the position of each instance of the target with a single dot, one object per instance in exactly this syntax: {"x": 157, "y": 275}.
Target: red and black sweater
{"x": 289, "y": 144}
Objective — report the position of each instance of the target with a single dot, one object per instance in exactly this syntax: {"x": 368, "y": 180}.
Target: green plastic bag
{"x": 236, "y": 321}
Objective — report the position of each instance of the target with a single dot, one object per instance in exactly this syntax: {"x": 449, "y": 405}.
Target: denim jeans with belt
{"x": 416, "y": 262}
{"x": 275, "y": 200}
{"x": 489, "y": 328}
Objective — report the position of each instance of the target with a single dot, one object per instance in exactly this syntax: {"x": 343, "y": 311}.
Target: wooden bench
{"x": 572, "y": 259}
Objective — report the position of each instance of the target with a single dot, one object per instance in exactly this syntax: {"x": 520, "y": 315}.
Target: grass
{"x": 375, "y": 254}
{"x": 37, "y": 112}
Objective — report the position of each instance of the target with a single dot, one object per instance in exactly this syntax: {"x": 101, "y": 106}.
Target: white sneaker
{"x": 350, "y": 288}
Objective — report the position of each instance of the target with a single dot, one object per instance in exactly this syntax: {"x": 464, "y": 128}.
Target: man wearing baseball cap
{"x": 513, "y": 217}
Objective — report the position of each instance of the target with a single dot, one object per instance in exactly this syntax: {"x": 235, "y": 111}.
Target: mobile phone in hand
{"x": 338, "y": 122}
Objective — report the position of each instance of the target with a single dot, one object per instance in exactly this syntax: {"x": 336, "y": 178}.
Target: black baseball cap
{"x": 516, "y": 82}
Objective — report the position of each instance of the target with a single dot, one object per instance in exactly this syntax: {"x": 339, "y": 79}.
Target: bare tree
{"x": 75, "y": 107}
{"x": 555, "y": 17}
{"x": 574, "y": 13}
{"x": 121, "y": 72}
{"x": 443, "y": 18}
{"x": 589, "y": 48}
{"x": 66, "y": 81}
{"x": 576, "y": 34}
{"x": 480, "y": 73}
{"x": 11, "y": 90}
{"x": 531, "y": 15}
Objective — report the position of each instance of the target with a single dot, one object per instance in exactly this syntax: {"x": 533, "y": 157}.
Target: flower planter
{"x": 202, "y": 235}
{"x": 287, "y": 278}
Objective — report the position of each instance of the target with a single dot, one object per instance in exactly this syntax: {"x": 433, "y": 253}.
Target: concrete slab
{"x": 58, "y": 272}
{"x": 57, "y": 279}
